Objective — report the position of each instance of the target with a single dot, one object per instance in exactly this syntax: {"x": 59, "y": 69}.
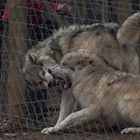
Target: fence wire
{"x": 25, "y": 24}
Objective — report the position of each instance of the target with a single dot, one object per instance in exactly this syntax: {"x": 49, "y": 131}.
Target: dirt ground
{"x": 85, "y": 132}
{"x": 69, "y": 136}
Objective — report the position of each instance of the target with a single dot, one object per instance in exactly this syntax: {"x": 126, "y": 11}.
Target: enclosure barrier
{"x": 24, "y": 112}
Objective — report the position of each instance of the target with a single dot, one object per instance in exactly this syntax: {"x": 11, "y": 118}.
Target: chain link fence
{"x": 25, "y": 111}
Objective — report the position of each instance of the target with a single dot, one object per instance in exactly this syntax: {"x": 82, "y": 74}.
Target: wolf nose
{"x": 49, "y": 71}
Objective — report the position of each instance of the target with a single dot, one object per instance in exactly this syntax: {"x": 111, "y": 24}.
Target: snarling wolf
{"x": 100, "y": 38}
{"x": 102, "y": 92}
{"x": 117, "y": 47}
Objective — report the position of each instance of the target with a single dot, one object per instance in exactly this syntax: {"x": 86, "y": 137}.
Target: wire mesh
{"x": 28, "y": 27}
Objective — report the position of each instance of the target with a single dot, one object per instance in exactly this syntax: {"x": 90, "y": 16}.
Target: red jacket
{"x": 34, "y": 10}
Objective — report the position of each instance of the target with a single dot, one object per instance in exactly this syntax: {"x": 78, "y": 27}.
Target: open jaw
{"x": 63, "y": 83}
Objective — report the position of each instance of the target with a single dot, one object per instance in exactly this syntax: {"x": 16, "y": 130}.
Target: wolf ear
{"x": 33, "y": 57}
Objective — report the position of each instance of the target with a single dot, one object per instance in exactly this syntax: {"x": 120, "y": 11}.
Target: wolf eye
{"x": 43, "y": 73}
{"x": 33, "y": 61}
{"x": 66, "y": 64}
{"x": 71, "y": 68}
{"x": 40, "y": 63}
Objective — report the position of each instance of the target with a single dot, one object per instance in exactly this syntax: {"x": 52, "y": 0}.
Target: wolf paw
{"x": 128, "y": 131}
{"x": 49, "y": 130}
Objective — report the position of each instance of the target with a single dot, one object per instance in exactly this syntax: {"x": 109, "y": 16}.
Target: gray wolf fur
{"x": 50, "y": 51}
{"x": 100, "y": 38}
{"x": 129, "y": 32}
{"x": 119, "y": 51}
{"x": 128, "y": 36}
{"x": 102, "y": 92}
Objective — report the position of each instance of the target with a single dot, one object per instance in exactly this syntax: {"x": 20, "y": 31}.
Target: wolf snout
{"x": 50, "y": 71}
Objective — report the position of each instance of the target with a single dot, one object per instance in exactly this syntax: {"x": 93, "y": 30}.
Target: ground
{"x": 80, "y": 133}
{"x": 70, "y": 136}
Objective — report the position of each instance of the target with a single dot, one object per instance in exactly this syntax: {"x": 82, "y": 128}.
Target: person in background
{"x": 40, "y": 25}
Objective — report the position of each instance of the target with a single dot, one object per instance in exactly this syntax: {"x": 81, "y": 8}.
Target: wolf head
{"x": 48, "y": 53}
{"x": 34, "y": 61}
{"x": 63, "y": 75}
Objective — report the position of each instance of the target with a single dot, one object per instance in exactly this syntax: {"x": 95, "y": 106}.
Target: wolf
{"x": 101, "y": 91}
{"x": 100, "y": 38}
{"x": 108, "y": 40}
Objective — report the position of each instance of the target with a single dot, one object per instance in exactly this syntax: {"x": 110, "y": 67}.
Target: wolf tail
{"x": 129, "y": 32}
{"x": 128, "y": 36}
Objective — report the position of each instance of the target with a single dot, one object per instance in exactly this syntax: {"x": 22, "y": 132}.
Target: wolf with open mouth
{"x": 99, "y": 89}
{"x": 120, "y": 48}
{"x": 100, "y": 38}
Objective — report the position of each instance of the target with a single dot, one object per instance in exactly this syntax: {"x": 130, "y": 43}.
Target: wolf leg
{"x": 68, "y": 105}
{"x": 75, "y": 118}
{"x": 130, "y": 111}
{"x": 132, "y": 130}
